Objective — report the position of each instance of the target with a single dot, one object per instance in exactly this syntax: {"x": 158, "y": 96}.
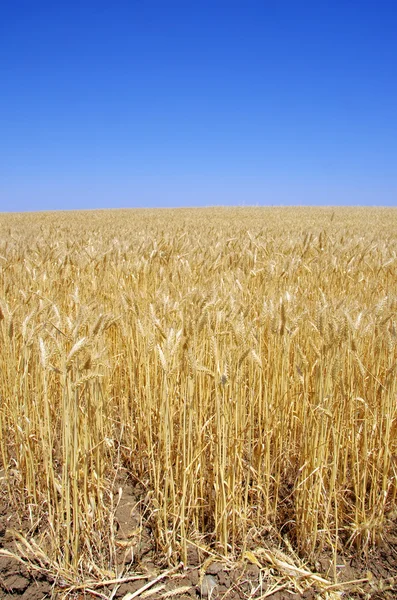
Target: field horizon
{"x": 193, "y": 208}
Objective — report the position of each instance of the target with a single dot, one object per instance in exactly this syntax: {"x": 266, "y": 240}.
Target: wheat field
{"x": 237, "y": 364}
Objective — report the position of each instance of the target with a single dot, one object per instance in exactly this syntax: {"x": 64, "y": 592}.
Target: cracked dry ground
{"x": 144, "y": 574}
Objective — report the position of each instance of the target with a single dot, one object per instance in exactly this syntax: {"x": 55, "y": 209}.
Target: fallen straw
{"x": 149, "y": 584}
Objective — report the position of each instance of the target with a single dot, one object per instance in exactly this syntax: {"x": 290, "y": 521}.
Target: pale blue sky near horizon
{"x": 147, "y": 103}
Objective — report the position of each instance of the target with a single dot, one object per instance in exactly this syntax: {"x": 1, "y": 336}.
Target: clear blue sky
{"x": 197, "y": 102}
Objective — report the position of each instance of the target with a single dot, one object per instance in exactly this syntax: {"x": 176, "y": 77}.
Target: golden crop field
{"x": 237, "y": 366}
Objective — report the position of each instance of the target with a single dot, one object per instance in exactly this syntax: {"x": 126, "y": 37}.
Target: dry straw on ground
{"x": 238, "y": 364}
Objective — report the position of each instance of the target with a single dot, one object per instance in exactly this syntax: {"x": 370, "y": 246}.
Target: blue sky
{"x": 197, "y": 102}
